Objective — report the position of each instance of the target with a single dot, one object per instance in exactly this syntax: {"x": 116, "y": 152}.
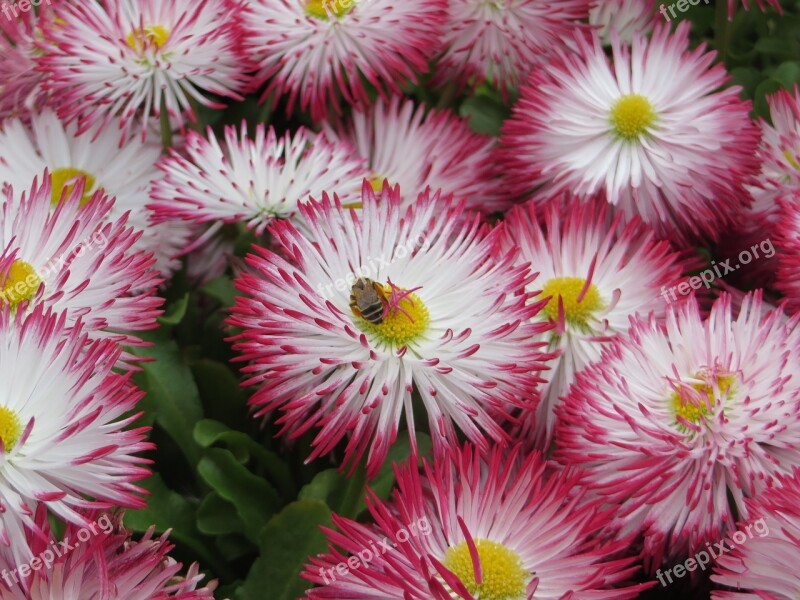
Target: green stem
{"x": 197, "y": 125}
{"x": 722, "y": 30}
{"x": 355, "y": 491}
{"x": 166, "y": 128}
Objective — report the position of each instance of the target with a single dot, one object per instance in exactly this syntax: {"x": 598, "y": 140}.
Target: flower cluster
{"x": 428, "y": 246}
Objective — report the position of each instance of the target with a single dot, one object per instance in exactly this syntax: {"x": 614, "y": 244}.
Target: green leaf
{"x": 337, "y": 490}
{"x": 485, "y": 114}
{"x": 764, "y": 89}
{"x": 221, "y": 289}
{"x": 175, "y": 312}
{"x": 286, "y": 543}
{"x": 169, "y": 510}
{"x": 208, "y": 433}
{"x": 217, "y": 516}
{"x": 254, "y": 498}
{"x": 787, "y": 74}
{"x": 171, "y": 392}
{"x": 222, "y": 396}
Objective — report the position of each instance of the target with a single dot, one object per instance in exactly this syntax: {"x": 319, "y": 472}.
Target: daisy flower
{"x": 135, "y": 58}
{"x": 595, "y": 272}
{"x": 500, "y": 41}
{"x": 21, "y": 88}
{"x": 788, "y": 242}
{"x": 475, "y": 526}
{"x": 63, "y": 414}
{"x": 100, "y": 561}
{"x": 674, "y": 149}
{"x": 626, "y": 17}
{"x": 74, "y": 259}
{"x": 254, "y": 179}
{"x": 124, "y": 172}
{"x": 679, "y": 423}
{"x": 780, "y": 148}
{"x": 764, "y": 566}
{"x": 319, "y": 52}
{"x": 385, "y": 306}
{"x": 418, "y": 149}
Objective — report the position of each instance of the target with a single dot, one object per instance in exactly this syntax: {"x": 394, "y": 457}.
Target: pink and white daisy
{"x": 254, "y": 179}
{"x": 674, "y": 149}
{"x": 501, "y": 41}
{"x": 75, "y": 259}
{"x": 135, "y": 58}
{"x": 764, "y": 565}
{"x": 788, "y": 242}
{"x": 474, "y": 526}
{"x": 100, "y": 561}
{"x": 416, "y": 149}
{"x": 124, "y": 172}
{"x": 596, "y": 272}
{"x": 455, "y": 330}
{"x": 319, "y": 53}
{"x": 625, "y": 17}
{"x": 780, "y": 150}
{"x": 21, "y": 88}
{"x": 63, "y": 419}
{"x": 679, "y": 423}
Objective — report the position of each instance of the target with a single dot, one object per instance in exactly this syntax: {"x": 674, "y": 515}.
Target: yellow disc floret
{"x": 20, "y": 283}
{"x": 577, "y": 309}
{"x": 403, "y": 324}
{"x": 695, "y": 409}
{"x": 631, "y": 116}
{"x": 789, "y": 155}
{"x": 151, "y": 35}
{"x": 65, "y": 179}
{"x": 503, "y": 576}
{"x": 10, "y": 428}
{"x": 320, "y": 9}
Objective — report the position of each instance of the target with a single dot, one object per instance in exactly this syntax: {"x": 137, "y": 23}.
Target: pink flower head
{"x": 137, "y": 58}
{"x": 464, "y": 341}
{"x": 676, "y": 150}
{"x": 74, "y": 259}
{"x": 64, "y": 415}
{"x": 680, "y": 422}
{"x": 97, "y": 561}
{"x": 319, "y": 53}
{"x": 477, "y": 525}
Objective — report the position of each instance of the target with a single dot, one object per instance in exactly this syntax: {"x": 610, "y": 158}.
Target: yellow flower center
{"x": 791, "y": 159}
{"x": 376, "y": 181}
{"x": 631, "y": 116}
{"x": 693, "y": 408}
{"x": 65, "y": 179}
{"x": 320, "y": 9}
{"x": 151, "y": 35}
{"x": 577, "y": 309}
{"x": 20, "y": 284}
{"x": 404, "y": 323}
{"x": 10, "y": 428}
{"x": 503, "y": 576}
